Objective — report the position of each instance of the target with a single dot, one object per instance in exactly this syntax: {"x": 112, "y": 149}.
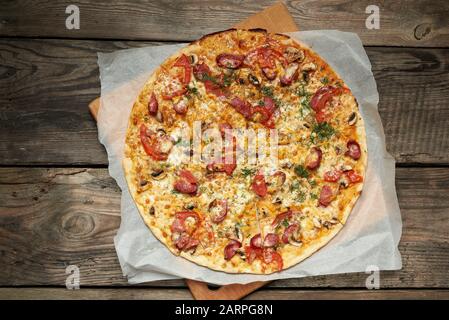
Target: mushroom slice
{"x": 193, "y": 58}
{"x": 352, "y": 119}
{"x": 158, "y": 174}
{"x": 238, "y": 233}
{"x": 293, "y": 54}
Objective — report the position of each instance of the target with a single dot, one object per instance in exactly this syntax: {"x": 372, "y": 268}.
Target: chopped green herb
{"x": 301, "y": 196}
{"x": 192, "y": 90}
{"x": 174, "y": 191}
{"x": 301, "y": 171}
{"x": 248, "y": 172}
{"x": 177, "y": 141}
{"x": 312, "y": 183}
{"x": 322, "y": 131}
{"x": 305, "y": 103}
{"x": 267, "y": 91}
{"x": 228, "y": 78}
{"x": 313, "y": 196}
{"x": 285, "y": 223}
{"x": 324, "y": 80}
{"x": 302, "y": 92}
{"x": 261, "y": 103}
{"x": 208, "y": 77}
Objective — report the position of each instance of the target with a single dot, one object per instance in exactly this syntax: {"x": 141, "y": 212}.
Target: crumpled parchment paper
{"x": 373, "y": 230}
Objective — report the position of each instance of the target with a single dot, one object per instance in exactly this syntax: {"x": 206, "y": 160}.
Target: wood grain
{"x": 402, "y": 23}
{"x": 52, "y": 218}
{"x": 184, "y": 294}
{"x": 45, "y": 86}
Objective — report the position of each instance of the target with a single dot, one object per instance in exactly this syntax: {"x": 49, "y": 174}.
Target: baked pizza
{"x": 205, "y": 186}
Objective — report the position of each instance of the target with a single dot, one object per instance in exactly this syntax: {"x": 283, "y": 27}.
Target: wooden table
{"x": 59, "y": 207}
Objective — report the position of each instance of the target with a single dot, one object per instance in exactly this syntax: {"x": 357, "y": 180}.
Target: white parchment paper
{"x": 373, "y": 230}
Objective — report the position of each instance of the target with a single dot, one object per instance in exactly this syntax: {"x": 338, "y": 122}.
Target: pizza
{"x": 218, "y": 206}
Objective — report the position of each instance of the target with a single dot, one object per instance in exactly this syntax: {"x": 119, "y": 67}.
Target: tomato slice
{"x": 253, "y": 253}
{"x": 270, "y": 255}
{"x": 332, "y": 175}
{"x": 353, "y": 176}
{"x": 184, "y": 62}
{"x": 150, "y": 145}
{"x": 178, "y": 224}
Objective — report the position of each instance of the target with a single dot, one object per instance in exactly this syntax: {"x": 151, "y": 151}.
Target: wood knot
{"x": 78, "y": 224}
{"x": 422, "y": 30}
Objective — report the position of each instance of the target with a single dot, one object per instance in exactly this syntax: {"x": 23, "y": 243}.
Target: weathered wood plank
{"x": 45, "y": 86}
{"x": 184, "y": 294}
{"x": 52, "y": 218}
{"x": 402, "y": 23}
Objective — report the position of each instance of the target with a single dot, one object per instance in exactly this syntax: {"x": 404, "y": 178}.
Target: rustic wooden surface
{"x": 58, "y": 205}
{"x": 405, "y": 22}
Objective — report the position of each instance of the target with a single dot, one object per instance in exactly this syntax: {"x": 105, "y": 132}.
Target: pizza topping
{"x": 270, "y": 255}
{"x": 253, "y": 80}
{"x": 179, "y": 223}
{"x": 186, "y": 182}
{"x": 218, "y": 210}
{"x": 241, "y": 106}
{"x": 201, "y": 71}
{"x": 214, "y": 88}
{"x": 313, "y": 159}
{"x": 223, "y": 128}
{"x": 332, "y": 175}
{"x": 291, "y": 73}
{"x": 181, "y": 106}
{"x": 264, "y": 114}
{"x": 259, "y": 186}
{"x": 353, "y": 150}
{"x": 269, "y": 73}
{"x": 230, "y": 61}
{"x": 184, "y": 63}
{"x": 352, "y": 119}
{"x": 327, "y": 195}
{"x": 157, "y": 146}
{"x": 153, "y": 105}
{"x": 287, "y": 215}
{"x": 291, "y": 236}
{"x": 321, "y": 97}
{"x": 292, "y": 54}
{"x": 253, "y": 253}
{"x": 158, "y": 174}
{"x": 173, "y": 93}
{"x": 184, "y": 242}
{"x": 182, "y": 228}
{"x": 223, "y": 166}
{"x": 256, "y": 241}
{"x": 271, "y": 240}
{"x": 231, "y": 249}
{"x": 353, "y": 176}
{"x": 193, "y": 59}
{"x": 275, "y": 181}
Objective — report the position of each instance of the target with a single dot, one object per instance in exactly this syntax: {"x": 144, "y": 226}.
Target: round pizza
{"x": 245, "y": 152}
